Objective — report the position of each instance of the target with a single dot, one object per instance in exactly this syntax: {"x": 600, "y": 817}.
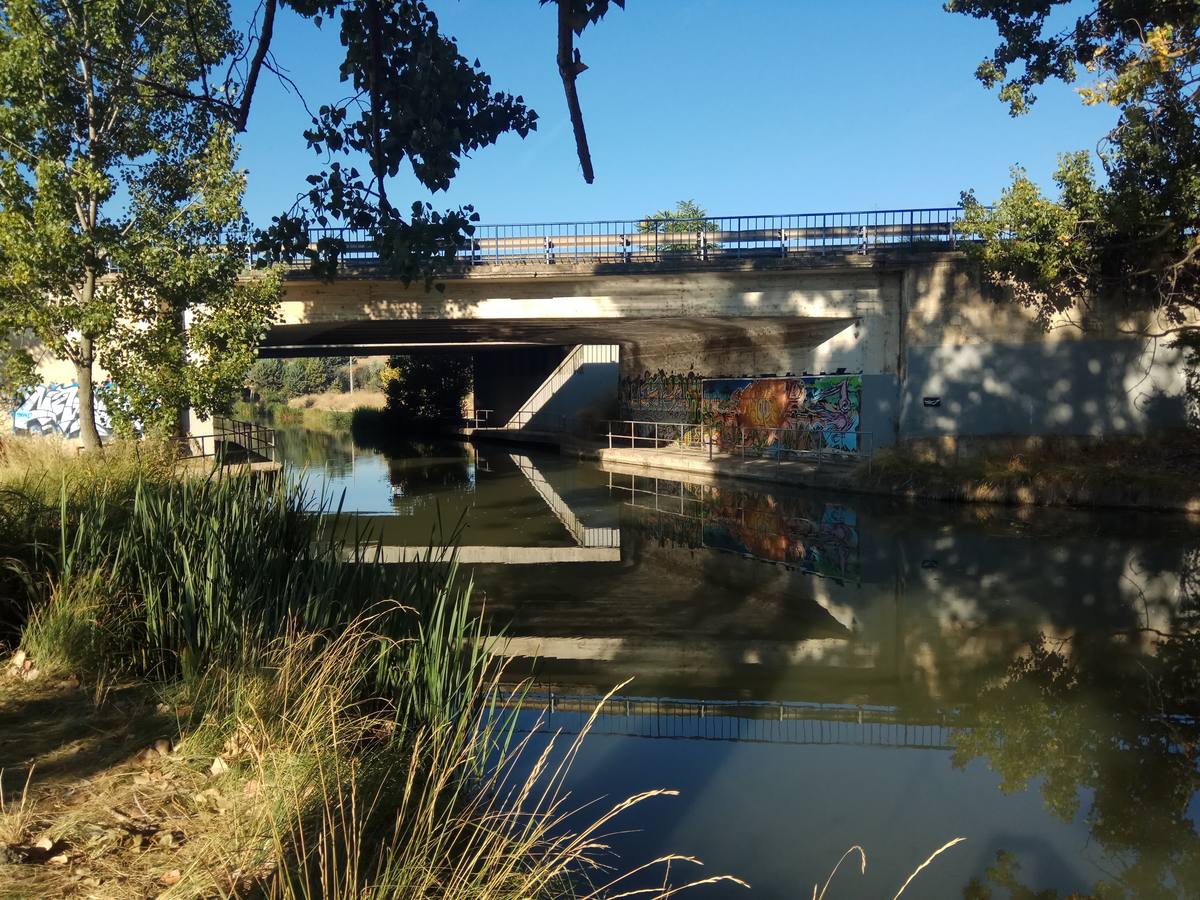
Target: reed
{"x": 359, "y": 700}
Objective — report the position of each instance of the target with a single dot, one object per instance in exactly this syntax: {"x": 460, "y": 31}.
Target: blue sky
{"x": 747, "y": 106}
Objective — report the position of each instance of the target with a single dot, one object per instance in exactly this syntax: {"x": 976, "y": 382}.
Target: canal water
{"x": 814, "y": 670}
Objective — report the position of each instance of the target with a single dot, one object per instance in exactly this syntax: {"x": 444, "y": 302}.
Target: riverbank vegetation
{"x": 214, "y": 693}
{"x": 280, "y": 415}
{"x": 1160, "y": 471}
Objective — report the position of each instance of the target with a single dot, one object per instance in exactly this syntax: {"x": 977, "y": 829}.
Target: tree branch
{"x": 256, "y": 64}
{"x": 569, "y": 69}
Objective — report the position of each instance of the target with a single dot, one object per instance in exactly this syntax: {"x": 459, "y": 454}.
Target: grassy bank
{"x": 210, "y": 698}
{"x": 1157, "y": 472}
{"x": 314, "y": 418}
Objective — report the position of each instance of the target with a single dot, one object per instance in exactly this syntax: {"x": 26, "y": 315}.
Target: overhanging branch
{"x": 569, "y": 68}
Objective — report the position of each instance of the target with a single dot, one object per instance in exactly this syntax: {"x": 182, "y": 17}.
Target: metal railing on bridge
{"x": 657, "y": 240}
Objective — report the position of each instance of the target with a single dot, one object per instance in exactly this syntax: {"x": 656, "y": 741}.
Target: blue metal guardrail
{"x": 664, "y": 240}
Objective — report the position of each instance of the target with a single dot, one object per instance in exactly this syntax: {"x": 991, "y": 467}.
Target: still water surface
{"x": 813, "y": 670}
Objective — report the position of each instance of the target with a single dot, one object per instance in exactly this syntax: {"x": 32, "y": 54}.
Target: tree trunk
{"x": 87, "y": 398}
{"x": 179, "y": 323}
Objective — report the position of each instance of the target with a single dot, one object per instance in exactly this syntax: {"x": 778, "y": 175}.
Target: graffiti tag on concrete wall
{"x": 54, "y": 409}
{"x": 661, "y": 397}
{"x": 811, "y": 412}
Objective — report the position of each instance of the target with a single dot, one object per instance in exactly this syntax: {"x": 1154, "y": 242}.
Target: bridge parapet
{"x": 677, "y": 242}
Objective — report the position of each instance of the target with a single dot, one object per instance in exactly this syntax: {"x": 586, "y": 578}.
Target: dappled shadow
{"x": 62, "y": 734}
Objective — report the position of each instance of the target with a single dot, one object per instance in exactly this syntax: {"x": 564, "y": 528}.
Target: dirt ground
{"x": 98, "y": 801}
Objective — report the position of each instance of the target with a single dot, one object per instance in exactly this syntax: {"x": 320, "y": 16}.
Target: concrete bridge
{"x": 872, "y": 325}
{"x": 887, "y": 296}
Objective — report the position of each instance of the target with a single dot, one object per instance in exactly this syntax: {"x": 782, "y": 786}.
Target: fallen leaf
{"x": 59, "y": 860}
{"x": 44, "y": 843}
{"x": 218, "y": 767}
{"x": 170, "y": 878}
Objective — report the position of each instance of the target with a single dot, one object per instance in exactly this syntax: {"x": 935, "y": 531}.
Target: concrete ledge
{"x": 889, "y": 256}
{"x": 795, "y": 472}
{"x": 508, "y": 555}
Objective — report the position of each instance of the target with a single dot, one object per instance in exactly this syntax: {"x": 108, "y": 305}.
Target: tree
{"x": 265, "y": 378}
{"x": 687, "y": 218}
{"x": 425, "y": 388}
{"x": 16, "y": 371}
{"x": 93, "y": 117}
{"x": 414, "y": 98}
{"x": 187, "y": 325}
{"x": 311, "y": 375}
{"x": 1135, "y": 234}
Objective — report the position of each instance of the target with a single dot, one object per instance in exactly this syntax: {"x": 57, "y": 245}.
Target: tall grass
{"x": 358, "y": 698}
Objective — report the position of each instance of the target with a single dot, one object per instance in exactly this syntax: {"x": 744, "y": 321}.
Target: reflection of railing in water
{"x": 751, "y": 721}
{"x": 817, "y": 537}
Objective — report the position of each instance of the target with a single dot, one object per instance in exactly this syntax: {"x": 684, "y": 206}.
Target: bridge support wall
{"x": 939, "y": 358}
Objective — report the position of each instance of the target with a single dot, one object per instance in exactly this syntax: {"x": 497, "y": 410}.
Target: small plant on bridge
{"x": 679, "y": 230}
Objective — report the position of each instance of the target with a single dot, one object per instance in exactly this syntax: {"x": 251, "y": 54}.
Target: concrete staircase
{"x": 534, "y": 412}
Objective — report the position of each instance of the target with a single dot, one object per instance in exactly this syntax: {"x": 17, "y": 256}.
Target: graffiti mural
{"x": 54, "y": 409}
{"x": 812, "y": 412}
{"x": 661, "y": 397}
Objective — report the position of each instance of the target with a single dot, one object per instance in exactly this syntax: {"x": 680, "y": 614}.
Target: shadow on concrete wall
{"x": 1075, "y": 387}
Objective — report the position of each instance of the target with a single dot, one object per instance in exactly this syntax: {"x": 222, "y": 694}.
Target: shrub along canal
{"x": 814, "y": 670}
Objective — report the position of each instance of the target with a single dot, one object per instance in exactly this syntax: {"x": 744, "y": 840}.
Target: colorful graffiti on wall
{"x": 54, "y": 409}
{"x": 809, "y": 412}
{"x": 661, "y": 397}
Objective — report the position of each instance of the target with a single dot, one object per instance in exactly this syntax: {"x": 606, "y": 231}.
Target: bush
{"x": 428, "y": 389}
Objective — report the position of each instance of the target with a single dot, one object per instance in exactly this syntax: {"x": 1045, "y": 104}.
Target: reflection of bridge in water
{"x": 592, "y": 543}
{"x": 750, "y": 721}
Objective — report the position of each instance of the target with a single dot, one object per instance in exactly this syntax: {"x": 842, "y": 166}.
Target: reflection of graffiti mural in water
{"x": 813, "y": 536}
{"x": 661, "y": 397}
{"x": 812, "y": 412}
{"x": 54, "y": 409}
{"x": 822, "y": 540}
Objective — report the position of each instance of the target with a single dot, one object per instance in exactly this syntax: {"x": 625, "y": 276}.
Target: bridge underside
{"x": 383, "y": 336}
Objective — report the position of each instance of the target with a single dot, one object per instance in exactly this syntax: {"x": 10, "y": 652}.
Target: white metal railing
{"x": 736, "y": 441}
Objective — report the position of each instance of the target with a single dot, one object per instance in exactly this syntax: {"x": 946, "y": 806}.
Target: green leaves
{"x": 1132, "y": 233}
{"x": 415, "y": 99}
{"x": 107, "y": 165}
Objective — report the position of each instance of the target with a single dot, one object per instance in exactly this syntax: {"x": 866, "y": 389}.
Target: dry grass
{"x": 315, "y": 795}
{"x": 340, "y": 402}
{"x": 42, "y": 465}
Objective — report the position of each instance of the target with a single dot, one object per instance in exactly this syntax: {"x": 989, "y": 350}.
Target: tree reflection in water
{"x": 1116, "y": 719}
